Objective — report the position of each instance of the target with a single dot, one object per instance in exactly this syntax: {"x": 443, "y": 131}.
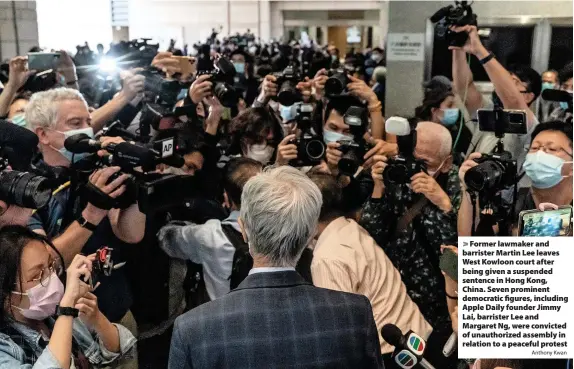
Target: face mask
{"x": 369, "y": 71}
{"x": 239, "y": 67}
{"x": 253, "y": 50}
{"x": 375, "y": 57}
{"x": 19, "y": 120}
{"x": 43, "y": 300}
{"x": 450, "y": 116}
{"x": 261, "y": 152}
{"x": 563, "y": 105}
{"x": 67, "y": 154}
{"x": 330, "y": 136}
{"x": 547, "y": 86}
{"x": 545, "y": 170}
{"x": 333, "y": 57}
{"x": 287, "y": 113}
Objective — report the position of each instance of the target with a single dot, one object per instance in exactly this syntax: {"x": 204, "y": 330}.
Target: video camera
{"x": 152, "y": 191}
{"x": 354, "y": 150}
{"x": 17, "y": 186}
{"x": 287, "y": 81}
{"x": 458, "y": 15}
{"x": 222, "y": 73}
{"x": 310, "y": 147}
{"x": 402, "y": 167}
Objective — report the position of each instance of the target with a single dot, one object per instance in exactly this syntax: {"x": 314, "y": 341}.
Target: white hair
{"x": 42, "y": 110}
{"x": 436, "y": 134}
{"x": 280, "y": 210}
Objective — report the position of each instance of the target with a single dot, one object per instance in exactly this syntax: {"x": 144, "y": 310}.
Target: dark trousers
{"x": 154, "y": 351}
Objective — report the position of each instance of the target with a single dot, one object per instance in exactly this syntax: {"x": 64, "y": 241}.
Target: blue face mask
{"x": 69, "y": 155}
{"x": 239, "y": 67}
{"x": 287, "y": 113}
{"x": 19, "y": 120}
{"x": 563, "y": 105}
{"x": 545, "y": 170}
{"x": 449, "y": 116}
{"x": 182, "y": 94}
{"x": 330, "y": 136}
{"x": 547, "y": 86}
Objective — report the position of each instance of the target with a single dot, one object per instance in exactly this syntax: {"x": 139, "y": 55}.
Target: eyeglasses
{"x": 44, "y": 276}
{"x": 549, "y": 150}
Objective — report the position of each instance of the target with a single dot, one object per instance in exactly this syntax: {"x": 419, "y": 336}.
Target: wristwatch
{"x": 67, "y": 311}
{"x": 85, "y": 224}
{"x": 487, "y": 58}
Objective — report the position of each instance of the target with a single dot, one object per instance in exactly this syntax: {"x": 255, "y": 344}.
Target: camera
{"x": 287, "y": 81}
{"x": 338, "y": 80}
{"x": 222, "y": 73}
{"x": 310, "y": 147}
{"x": 17, "y": 186}
{"x": 402, "y": 167}
{"x": 354, "y": 150}
{"x": 493, "y": 173}
{"x": 459, "y": 15}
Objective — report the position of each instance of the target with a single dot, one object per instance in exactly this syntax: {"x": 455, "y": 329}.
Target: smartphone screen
{"x": 550, "y": 223}
{"x": 42, "y": 61}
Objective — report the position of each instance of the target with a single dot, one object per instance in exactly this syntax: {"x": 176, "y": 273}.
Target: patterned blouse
{"x": 415, "y": 251}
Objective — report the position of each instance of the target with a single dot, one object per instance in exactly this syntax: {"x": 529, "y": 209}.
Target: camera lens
{"x": 396, "y": 173}
{"x": 24, "y": 189}
{"x": 336, "y": 84}
{"x": 315, "y": 149}
{"x": 226, "y": 94}
{"x": 485, "y": 176}
{"x": 287, "y": 95}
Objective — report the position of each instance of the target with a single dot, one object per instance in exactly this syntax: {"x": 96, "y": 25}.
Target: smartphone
{"x": 514, "y": 121}
{"x": 549, "y": 223}
{"x": 448, "y": 263}
{"x": 42, "y": 61}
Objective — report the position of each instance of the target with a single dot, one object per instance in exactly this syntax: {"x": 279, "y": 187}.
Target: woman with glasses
{"x": 44, "y": 324}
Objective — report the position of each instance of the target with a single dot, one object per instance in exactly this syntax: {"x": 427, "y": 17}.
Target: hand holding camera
{"x": 90, "y": 314}
{"x": 381, "y": 148}
{"x": 319, "y": 83}
{"x": 19, "y": 73}
{"x": 286, "y": 151}
{"x": 133, "y": 85}
{"x": 360, "y": 89}
{"x": 473, "y": 45}
{"x": 334, "y": 155}
{"x": 268, "y": 88}
{"x": 200, "y": 88}
{"x": 428, "y": 186}
{"x": 79, "y": 271}
{"x": 380, "y": 163}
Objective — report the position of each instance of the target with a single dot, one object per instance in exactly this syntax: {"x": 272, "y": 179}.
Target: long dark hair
{"x": 435, "y": 93}
{"x": 13, "y": 239}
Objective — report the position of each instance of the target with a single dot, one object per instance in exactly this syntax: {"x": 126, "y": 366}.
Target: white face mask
{"x": 260, "y": 152}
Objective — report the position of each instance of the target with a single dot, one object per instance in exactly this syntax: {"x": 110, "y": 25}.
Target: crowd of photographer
{"x": 163, "y": 183}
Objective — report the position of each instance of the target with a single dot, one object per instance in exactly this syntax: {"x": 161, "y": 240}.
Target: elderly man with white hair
{"x": 274, "y": 318}
{"x": 411, "y": 221}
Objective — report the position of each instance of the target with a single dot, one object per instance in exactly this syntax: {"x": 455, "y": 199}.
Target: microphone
{"x": 18, "y": 144}
{"x": 557, "y": 95}
{"x": 409, "y": 348}
{"x": 450, "y": 345}
{"x": 81, "y": 143}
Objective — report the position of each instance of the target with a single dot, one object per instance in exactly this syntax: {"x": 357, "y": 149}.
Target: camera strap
{"x": 96, "y": 197}
{"x": 410, "y": 215}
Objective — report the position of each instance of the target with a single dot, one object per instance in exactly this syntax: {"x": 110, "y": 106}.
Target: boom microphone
{"x": 557, "y": 95}
{"x": 409, "y": 348}
{"x": 82, "y": 143}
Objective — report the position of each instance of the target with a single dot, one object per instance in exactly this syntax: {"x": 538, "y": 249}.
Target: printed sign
{"x": 405, "y": 47}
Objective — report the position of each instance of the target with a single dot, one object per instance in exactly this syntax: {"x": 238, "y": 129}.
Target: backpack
{"x": 243, "y": 262}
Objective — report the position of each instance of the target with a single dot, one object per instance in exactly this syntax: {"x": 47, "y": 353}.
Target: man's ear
{"x": 531, "y": 97}
{"x": 243, "y": 233}
{"x": 3, "y": 207}
{"x": 226, "y": 201}
{"x": 42, "y": 135}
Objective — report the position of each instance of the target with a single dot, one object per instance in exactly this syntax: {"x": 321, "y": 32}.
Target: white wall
{"x": 19, "y": 34}
{"x": 67, "y": 23}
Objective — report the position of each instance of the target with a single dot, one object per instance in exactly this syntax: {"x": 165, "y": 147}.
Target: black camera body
{"x": 493, "y": 173}
{"x": 310, "y": 147}
{"x": 287, "y": 81}
{"x": 337, "y": 82}
{"x": 353, "y": 154}
{"x": 222, "y": 73}
{"x": 400, "y": 170}
{"x": 459, "y": 15}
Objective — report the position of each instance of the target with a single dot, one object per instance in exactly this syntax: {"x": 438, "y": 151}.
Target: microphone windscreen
{"x": 80, "y": 143}
{"x": 392, "y": 334}
{"x": 175, "y": 161}
{"x": 556, "y": 95}
{"x": 19, "y": 145}
{"x": 398, "y": 126}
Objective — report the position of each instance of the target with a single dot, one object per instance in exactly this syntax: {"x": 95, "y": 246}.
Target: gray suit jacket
{"x": 277, "y": 320}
